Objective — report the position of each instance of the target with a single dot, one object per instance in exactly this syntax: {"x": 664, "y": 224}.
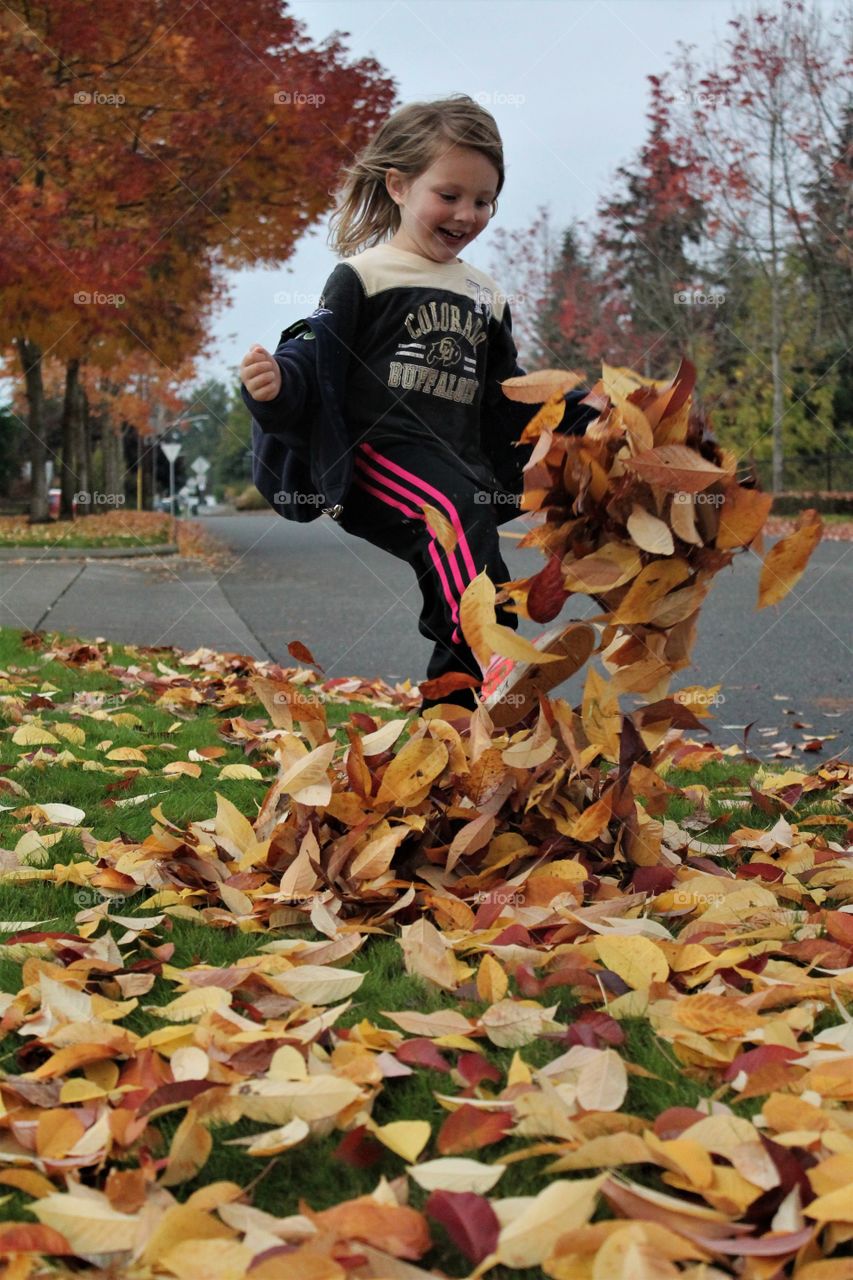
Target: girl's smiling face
{"x": 454, "y": 195}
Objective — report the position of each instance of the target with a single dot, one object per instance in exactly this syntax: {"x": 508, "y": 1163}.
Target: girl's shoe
{"x": 511, "y": 689}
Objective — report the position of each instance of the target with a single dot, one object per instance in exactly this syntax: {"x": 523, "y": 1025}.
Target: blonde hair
{"x": 410, "y": 140}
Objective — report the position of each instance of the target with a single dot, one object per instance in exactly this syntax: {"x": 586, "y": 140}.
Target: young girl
{"x": 414, "y": 341}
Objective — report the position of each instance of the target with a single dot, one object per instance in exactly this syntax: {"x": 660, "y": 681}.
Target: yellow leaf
{"x": 609, "y": 567}
{"x": 70, "y": 732}
{"x": 245, "y": 771}
{"x": 476, "y": 611}
{"x": 682, "y": 513}
{"x": 512, "y": 1023}
{"x": 214, "y": 1259}
{"x": 426, "y": 954}
{"x": 492, "y": 981}
{"x": 89, "y": 1225}
{"x": 602, "y": 1082}
{"x": 536, "y": 388}
{"x": 319, "y": 984}
{"x": 600, "y": 714}
{"x": 32, "y": 734}
{"x": 376, "y": 856}
{"x": 529, "y": 1237}
{"x": 406, "y": 1138}
{"x": 651, "y": 585}
{"x": 192, "y": 1004}
{"x": 456, "y": 1173}
{"x": 280, "y": 1101}
{"x": 191, "y": 1146}
{"x": 650, "y": 533}
{"x": 416, "y": 765}
{"x": 181, "y": 1222}
{"x": 439, "y": 525}
{"x": 509, "y": 644}
{"x": 637, "y": 960}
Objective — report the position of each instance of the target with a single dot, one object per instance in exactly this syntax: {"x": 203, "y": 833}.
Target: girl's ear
{"x": 396, "y": 184}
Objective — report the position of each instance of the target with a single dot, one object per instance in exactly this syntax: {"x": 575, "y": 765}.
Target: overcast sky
{"x": 564, "y": 79}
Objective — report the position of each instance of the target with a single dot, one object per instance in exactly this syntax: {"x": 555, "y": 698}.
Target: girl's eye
{"x": 484, "y": 204}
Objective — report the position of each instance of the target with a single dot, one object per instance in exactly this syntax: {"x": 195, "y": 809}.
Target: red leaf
{"x": 760, "y": 871}
{"x": 753, "y": 1059}
{"x": 468, "y": 1219}
{"x": 546, "y": 594}
{"x": 358, "y": 1149}
{"x": 594, "y": 1030}
{"x": 421, "y": 1053}
{"x": 363, "y": 722}
{"x": 672, "y": 1122}
{"x": 298, "y": 650}
{"x": 448, "y": 683}
{"x": 513, "y": 935}
{"x": 839, "y": 925}
{"x": 474, "y": 1069}
{"x": 469, "y": 1129}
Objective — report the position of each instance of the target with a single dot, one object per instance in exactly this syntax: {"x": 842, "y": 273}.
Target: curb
{"x": 86, "y": 553}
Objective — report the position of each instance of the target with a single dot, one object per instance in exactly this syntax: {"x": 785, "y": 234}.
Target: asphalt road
{"x": 356, "y": 608}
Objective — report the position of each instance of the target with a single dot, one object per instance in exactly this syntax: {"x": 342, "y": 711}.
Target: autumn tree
{"x": 760, "y": 114}
{"x": 648, "y": 232}
{"x": 146, "y": 150}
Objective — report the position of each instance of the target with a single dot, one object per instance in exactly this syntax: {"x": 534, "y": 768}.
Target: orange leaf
{"x": 742, "y": 516}
{"x": 786, "y": 560}
{"x": 396, "y": 1228}
{"x": 469, "y": 1129}
{"x": 676, "y": 468}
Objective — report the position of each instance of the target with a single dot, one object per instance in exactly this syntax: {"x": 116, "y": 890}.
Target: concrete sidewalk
{"x": 156, "y": 601}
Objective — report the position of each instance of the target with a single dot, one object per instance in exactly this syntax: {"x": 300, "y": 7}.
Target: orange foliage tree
{"x": 144, "y": 150}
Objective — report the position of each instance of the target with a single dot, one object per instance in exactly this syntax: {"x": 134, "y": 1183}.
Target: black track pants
{"x": 383, "y": 506}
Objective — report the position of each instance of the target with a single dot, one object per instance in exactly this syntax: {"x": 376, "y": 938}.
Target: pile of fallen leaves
{"x": 511, "y": 864}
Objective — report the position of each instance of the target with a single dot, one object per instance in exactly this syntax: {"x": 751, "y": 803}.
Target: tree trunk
{"x": 113, "y": 455}
{"x": 30, "y": 355}
{"x": 68, "y": 480}
{"x": 82, "y": 450}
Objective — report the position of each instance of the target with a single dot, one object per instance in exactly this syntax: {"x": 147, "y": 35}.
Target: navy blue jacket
{"x": 302, "y": 459}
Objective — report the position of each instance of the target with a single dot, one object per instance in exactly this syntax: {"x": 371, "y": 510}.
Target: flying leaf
{"x": 786, "y": 560}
